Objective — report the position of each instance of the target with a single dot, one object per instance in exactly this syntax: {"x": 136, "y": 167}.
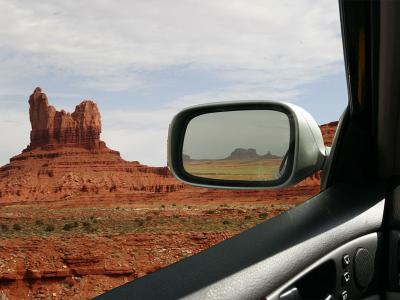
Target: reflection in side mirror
{"x": 245, "y": 145}
{"x": 248, "y": 145}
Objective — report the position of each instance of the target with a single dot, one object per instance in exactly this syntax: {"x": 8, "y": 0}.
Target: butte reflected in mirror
{"x": 247, "y": 145}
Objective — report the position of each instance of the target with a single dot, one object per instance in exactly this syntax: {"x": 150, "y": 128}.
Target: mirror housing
{"x": 307, "y": 149}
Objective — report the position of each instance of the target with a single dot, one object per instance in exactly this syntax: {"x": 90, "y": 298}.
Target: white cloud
{"x": 138, "y": 134}
{"x": 15, "y": 130}
{"x": 261, "y": 49}
{"x": 103, "y": 38}
{"x": 113, "y": 83}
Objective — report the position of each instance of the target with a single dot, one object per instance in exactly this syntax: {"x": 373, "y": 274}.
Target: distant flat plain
{"x": 234, "y": 169}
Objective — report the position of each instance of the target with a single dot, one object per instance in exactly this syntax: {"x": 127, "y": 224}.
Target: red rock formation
{"x": 52, "y": 128}
{"x": 328, "y": 132}
{"x": 67, "y": 160}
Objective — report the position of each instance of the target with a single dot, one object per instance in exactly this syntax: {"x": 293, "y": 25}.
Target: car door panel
{"x": 338, "y": 273}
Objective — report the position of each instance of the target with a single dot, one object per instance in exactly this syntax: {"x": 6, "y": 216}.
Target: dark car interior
{"x": 343, "y": 243}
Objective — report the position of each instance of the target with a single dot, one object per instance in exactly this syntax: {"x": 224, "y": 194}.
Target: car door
{"x": 342, "y": 243}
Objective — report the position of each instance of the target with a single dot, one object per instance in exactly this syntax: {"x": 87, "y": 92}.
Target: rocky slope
{"x": 66, "y": 159}
{"x": 328, "y": 132}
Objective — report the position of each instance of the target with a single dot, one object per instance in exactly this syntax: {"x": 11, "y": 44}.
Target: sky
{"x": 225, "y": 133}
{"x": 143, "y": 61}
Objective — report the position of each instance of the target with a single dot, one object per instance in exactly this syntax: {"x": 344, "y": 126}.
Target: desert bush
{"x": 226, "y": 222}
{"x": 4, "y": 227}
{"x": 247, "y": 217}
{"x": 210, "y": 212}
{"x": 263, "y": 215}
{"x": 149, "y": 218}
{"x": 88, "y": 227}
{"x": 162, "y": 206}
{"x": 90, "y": 230}
{"x": 68, "y": 226}
{"x": 17, "y": 227}
{"x": 49, "y": 227}
{"x": 39, "y": 222}
{"x": 173, "y": 204}
{"x": 139, "y": 222}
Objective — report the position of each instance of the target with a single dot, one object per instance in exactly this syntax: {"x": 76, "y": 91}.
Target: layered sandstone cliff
{"x": 66, "y": 159}
{"x": 328, "y": 132}
{"x": 52, "y": 128}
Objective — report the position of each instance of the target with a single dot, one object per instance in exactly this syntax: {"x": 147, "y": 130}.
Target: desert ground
{"x": 78, "y": 249}
{"x": 256, "y": 169}
{"x": 76, "y": 219}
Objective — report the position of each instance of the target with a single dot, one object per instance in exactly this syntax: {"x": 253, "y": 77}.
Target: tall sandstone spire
{"x": 67, "y": 160}
{"x": 52, "y": 128}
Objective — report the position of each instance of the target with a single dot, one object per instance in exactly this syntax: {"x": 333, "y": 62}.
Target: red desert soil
{"x": 77, "y": 220}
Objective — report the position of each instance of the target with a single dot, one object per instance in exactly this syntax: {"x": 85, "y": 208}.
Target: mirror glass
{"x": 246, "y": 145}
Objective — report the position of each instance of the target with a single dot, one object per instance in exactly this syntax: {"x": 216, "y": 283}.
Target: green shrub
{"x": 263, "y": 215}
{"x": 88, "y": 227}
{"x": 49, "y": 227}
{"x": 4, "y": 227}
{"x": 139, "y": 222}
{"x": 210, "y": 212}
{"x": 68, "y": 226}
{"x": 17, "y": 227}
{"x": 39, "y": 222}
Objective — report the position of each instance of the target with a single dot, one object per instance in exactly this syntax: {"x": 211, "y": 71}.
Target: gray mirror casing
{"x": 309, "y": 151}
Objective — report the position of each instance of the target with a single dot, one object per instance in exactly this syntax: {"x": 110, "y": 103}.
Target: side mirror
{"x": 244, "y": 145}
